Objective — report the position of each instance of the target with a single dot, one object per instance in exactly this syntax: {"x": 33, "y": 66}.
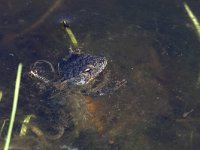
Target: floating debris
{"x": 37, "y": 131}
{"x": 186, "y": 114}
{"x": 68, "y": 147}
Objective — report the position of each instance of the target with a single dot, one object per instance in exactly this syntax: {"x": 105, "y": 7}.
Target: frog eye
{"x": 89, "y": 68}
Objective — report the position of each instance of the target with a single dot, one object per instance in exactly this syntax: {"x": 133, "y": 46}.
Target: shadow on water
{"x": 151, "y": 44}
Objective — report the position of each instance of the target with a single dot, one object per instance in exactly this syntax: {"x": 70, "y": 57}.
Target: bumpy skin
{"x": 76, "y": 71}
{"x": 79, "y": 74}
{"x": 80, "y": 69}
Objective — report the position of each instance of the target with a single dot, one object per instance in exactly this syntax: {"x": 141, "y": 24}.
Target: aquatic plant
{"x": 3, "y": 125}
{"x": 198, "y": 81}
{"x": 193, "y": 18}
{"x": 1, "y": 95}
{"x": 70, "y": 33}
{"x": 14, "y": 107}
{"x": 25, "y": 124}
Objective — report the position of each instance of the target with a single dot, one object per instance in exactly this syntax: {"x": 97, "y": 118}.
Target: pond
{"x": 152, "y": 44}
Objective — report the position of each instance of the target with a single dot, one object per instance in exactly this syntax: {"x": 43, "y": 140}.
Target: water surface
{"x": 152, "y": 44}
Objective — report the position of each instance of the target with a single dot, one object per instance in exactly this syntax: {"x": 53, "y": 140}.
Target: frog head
{"x": 80, "y": 69}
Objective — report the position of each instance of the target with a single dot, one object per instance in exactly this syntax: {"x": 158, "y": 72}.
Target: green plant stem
{"x": 193, "y": 18}
{"x": 72, "y": 37}
{"x": 14, "y": 107}
{"x": 1, "y": 95}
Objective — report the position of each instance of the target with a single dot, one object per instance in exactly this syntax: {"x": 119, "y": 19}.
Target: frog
{"x": 78, "y": 74}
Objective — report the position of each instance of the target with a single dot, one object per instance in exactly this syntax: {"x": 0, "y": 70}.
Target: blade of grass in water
{"x": 14, "y": 107}
{"x": 70, "y": 33}
{"x": 1, "y": 95}
{"x": 193, "y": 18}
{"x": 3, "y": 125}
{"x": 72, "y": 37}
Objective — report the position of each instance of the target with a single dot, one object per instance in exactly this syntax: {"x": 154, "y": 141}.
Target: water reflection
{"x": 151, "y": 44}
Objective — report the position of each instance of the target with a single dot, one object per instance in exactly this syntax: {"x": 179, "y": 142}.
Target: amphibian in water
{"x": 78, "y": 74}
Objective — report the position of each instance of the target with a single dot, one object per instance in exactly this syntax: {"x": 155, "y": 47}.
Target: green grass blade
{"x": 3, "y": 125}
{"x": 14, "y": 107}
{"x": 193, "y": 18}
{"x": 72, "y": 37}
{"x": 1, "y": 95}
{"x": 68, "y": 30}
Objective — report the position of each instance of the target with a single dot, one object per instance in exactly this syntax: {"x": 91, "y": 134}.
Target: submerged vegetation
{"x": 26, "y": 123}
{"x": 81, "y": 107}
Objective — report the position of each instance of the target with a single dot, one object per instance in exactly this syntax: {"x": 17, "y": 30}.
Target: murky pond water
{"x": 152, "y": 44}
